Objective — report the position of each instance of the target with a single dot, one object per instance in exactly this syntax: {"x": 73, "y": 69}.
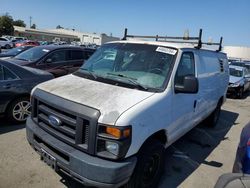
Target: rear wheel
{"x": 240, "y": 92}
{"x": 7, "y": 46}
{"x": 213, "y": 119}
{"x": 149, "y": 167}
{"x": 19, "y": 110}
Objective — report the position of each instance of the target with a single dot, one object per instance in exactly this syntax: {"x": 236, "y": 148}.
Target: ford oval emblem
{"x": 54, "y": 121}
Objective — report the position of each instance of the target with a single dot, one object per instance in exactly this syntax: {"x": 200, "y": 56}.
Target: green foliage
{"x": 59, "y": 27}
{"x": 19, "y": 23}
{"x": 33, "y": 26}
{"x": 6, "y": 25}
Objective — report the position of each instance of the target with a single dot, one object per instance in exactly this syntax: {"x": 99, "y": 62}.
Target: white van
{"x": 108, "y": 124}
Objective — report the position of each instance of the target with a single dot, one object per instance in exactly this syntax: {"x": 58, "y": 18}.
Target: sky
{"x": 227, "y": 18}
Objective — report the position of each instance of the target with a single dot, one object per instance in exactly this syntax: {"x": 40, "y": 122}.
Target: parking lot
{"x": 196, "y": 160}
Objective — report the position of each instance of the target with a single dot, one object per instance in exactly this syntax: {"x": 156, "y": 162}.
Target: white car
{"x": 108, "y": 124}
{"x": 239, "y": 80}
{"x": 6, "y": 43}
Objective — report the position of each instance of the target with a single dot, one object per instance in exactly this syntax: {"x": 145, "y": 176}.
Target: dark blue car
{"x": 16, "y": 83}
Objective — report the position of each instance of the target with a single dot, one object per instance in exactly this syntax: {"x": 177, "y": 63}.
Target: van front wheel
{"x": 149, "y": 167}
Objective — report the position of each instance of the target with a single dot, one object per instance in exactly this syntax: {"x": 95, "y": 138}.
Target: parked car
{"x": 242, "y": 159}
{"x": 242, "y": 64}
{"x": 108, "y": 123}
{"x": 14, "y": 51}
{"x": 16, "y": 83}
{"x": 58, "y": 60}
{"x": 233, "y": 180}
{"x": 239, "y": 81}
{"x": 27, "y": 43}
{"x": 240, "y": 176}
{"x": 5, "y": 43}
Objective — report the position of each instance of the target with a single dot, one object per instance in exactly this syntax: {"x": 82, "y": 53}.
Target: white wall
{"x": 237, "y": 52}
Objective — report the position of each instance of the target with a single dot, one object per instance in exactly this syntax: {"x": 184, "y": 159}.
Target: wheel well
{"x": 160, "y": 136}
{"x": 221, "y": 100}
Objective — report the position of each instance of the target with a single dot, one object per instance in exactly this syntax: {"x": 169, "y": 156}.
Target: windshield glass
{"x": 235, "y": 72}
{"x": 15, "y": 51}
{"x": 147, "y": 66}
{"x": 32, "y": 54}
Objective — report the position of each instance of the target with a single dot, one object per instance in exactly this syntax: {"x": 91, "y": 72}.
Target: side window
{"x": 8, "y": 75}
{"x": 76, "y": 55}
{"x": 1, "y": 73}
{"x": 57, "y": 56}
{"x": 186, "y": 68}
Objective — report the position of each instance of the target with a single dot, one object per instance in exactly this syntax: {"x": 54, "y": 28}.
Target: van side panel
{"x": 213, "y": 78}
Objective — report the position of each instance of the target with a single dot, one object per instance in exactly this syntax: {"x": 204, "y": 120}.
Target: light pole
{"x": 30, "y": 21}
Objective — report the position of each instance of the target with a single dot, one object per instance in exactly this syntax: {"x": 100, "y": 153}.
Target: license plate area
{"x": 48, "y": 159}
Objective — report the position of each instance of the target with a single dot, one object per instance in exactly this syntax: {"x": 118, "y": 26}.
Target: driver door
{"x": 183, "y": 104}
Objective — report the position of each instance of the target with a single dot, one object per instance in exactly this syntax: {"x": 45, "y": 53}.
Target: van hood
{"x": 234, "y": 79}
{"x": 109, "y": 99}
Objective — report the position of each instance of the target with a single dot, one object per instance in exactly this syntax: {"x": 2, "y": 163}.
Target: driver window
{"x": 57, "y": 56}
{"x": 186, "y": 68}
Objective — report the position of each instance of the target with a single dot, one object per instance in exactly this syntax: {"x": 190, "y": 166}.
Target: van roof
{"x": 162, "y": 43}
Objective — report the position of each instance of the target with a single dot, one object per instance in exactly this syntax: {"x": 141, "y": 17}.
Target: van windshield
{"x": 147, "y": 66}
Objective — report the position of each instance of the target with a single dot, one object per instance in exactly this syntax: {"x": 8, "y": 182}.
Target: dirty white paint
{"x": 109, "y": 99}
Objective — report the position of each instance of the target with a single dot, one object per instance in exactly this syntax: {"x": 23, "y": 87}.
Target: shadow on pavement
{"x": 6, "y": 126}
{"x": 190, "y": 151}
{"x": 245, "y": 95}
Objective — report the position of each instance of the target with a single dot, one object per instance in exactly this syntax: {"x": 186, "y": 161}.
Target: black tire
{"x": 7, "y": 46}
{"x": 240, "y": 93}
{"x": 18, "y": 110}
{"x": 149, "y": 167}
{"x": 213, "y": 118}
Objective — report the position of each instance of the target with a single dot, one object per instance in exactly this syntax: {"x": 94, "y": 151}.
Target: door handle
{"x": 7, "y": 86}
{"x": 195, "y": 103}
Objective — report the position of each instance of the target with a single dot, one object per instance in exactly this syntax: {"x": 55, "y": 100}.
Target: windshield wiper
{"x": 90, "y": 72}
{"x": 131, "y": 80}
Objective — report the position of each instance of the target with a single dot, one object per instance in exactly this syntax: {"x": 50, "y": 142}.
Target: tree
{"x": 59, "y": 27}
{"x": 19, "y": 23}
{"x": 6, "y": 25}
{"x": 33, "y": 26}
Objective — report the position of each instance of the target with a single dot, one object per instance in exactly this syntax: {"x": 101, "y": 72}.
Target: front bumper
{"x": 233, "y": 90}
{"x": 87, "y": 169}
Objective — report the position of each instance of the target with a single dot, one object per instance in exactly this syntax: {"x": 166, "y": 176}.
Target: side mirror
{"x": 49, "y": 60}
{"x": 190, "y": 85}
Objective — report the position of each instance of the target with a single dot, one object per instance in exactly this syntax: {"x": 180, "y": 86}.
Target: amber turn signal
{"x": 117, "y": 133}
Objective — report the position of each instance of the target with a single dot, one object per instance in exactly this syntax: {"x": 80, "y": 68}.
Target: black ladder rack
{"x": 185, "y": 39}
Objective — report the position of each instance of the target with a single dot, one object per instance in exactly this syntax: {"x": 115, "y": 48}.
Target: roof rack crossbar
{"x": 189, "y": 40}
{"x": 174, "y": 41}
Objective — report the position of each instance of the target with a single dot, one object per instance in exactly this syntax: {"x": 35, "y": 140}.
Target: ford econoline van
{"x": 108, "y": 124}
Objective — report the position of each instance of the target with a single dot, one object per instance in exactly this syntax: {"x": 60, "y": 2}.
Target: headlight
{"x": 112, "y": 147}
{"x": 113, "y": 142}
{"x": 236, "y": 84}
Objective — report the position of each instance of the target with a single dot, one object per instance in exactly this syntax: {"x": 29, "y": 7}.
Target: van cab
{"x": 108, "y": 124}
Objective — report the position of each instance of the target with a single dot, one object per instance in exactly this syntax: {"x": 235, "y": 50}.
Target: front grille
{"x": 73, "y": 129}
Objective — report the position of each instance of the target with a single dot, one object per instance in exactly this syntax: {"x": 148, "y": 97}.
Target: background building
{"x": 63, "y": 35}
{"x": 237, "y": 52}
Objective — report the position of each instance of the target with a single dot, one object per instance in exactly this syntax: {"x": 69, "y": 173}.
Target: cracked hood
{"x": 109, "y": 99}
